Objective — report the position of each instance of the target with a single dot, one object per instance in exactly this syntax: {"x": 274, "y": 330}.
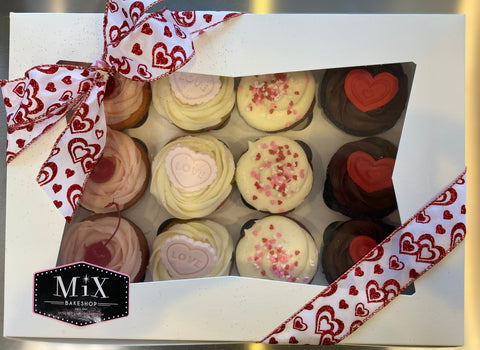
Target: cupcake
{"x": 275, "y": 102}
{"x": 346, "y": 242}
{"x": 191, "y": 249}
{"x": 277, "y": 248}
{"x": 109, "y": 241}
{"x": 121, "y": 175}
{"x": 359, "y": 179}
{"x": 274, "y": 175}
{"x": 126, "y": 102}
{"x": 194, "y": 102}
{"x": 192, "y": 176}
{"x": 364, "y": 101}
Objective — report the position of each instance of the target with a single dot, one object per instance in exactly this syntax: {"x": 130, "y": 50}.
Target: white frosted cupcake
{"x": 120, "y": 176}
{"x": 96, "y": 240}
{"x": 275, "y": 102}
{"x": 194, "y": 102}
{"x": 192, "y": 176}
{"x": 277, "y": 248}
{"x": 193, "y": 249}
{"x": 274, "y": 175}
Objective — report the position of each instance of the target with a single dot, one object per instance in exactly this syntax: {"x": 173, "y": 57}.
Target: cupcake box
{"x": 235, "y": 309}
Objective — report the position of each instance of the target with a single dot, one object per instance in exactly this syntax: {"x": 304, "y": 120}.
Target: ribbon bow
{"x": 138, "y": 45}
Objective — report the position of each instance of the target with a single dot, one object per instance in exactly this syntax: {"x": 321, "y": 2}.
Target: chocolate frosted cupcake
{"x": 346, "y": 242}
{"x": 359, "y": 179}
{"x": 364, "y": 101}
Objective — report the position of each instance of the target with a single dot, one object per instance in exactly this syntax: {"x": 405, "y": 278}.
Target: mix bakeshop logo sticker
{"x": 81, "y": 294}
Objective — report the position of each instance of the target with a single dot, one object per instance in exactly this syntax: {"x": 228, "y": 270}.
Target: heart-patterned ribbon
{"x": 381, "y": 275}
{"x": 140, "y": 46}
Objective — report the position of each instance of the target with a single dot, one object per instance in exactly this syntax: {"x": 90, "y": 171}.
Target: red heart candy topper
{"x": 140, "y": 46}
{"x": 368, "y": 93}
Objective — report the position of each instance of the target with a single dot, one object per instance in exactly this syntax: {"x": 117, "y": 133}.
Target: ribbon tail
{"x": 75, "y": 153}
{"x": 381, "y": 275}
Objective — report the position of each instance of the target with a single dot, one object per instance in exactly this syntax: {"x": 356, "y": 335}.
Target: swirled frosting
{"x": 274, "y": 102}
{"x": 127, "y": 181}
{"x": 277, "y": 248}
{"x": 338, "y": 239}
{"x": 125, "y": 247}
{"x": 193, "y": 101}
{"x": 274, "y": 174}
{"x": 193, "y": 249}
{"x": 348, "y": 117}
{"x": 358, "y": 190}
{"x": 123, "y": 99}
{"x": 187, "y": 202}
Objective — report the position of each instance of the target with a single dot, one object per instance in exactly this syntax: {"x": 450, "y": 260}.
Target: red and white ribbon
{"x": 380, "y": 276}
{"x": 140, "y": 46}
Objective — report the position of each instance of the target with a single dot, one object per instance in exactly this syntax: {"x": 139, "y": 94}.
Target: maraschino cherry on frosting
{"x": 98, "y": 253}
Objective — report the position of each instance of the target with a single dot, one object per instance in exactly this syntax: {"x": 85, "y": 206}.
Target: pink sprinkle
{"x": 250, "y": 258}
{"x": 257, "y": 246}
{"x": 279, "y": 234}
{"x": 299, "y": 117}
{"x": 272, "y": 201}
{"x": 268, "y": 193}
{"x": 253, "y": 174}
{"x": 264, "y": 146}
{"x": 288, "y": 124}
{"x": 305, "y": 279}
{"x": 281, "y": 210}
{"x": 308, "y": 79}
{"x": 302, "y": 173}
{"x": 255, "y": 233}
{"x": 267, "y": 187}
{"x": 240, "y": 87}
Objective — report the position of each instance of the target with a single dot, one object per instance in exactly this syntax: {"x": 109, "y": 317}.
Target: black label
{"x": 81, "y": 294}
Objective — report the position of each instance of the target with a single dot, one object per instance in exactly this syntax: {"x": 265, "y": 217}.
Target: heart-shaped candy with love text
{"x": 184, "y": 257}
{"x": 367, "y": 92}
{"x": 369, "y": 174}
{"x": 189, "y": 170}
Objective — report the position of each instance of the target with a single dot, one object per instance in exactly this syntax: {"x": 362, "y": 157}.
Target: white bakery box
{"x": 233, "y": 308}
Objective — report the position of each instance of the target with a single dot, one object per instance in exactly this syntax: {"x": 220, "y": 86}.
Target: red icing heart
{"x": 367, "y": 92}
{"x": 360, "y": 246}
{"x": 369, "y": 174}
